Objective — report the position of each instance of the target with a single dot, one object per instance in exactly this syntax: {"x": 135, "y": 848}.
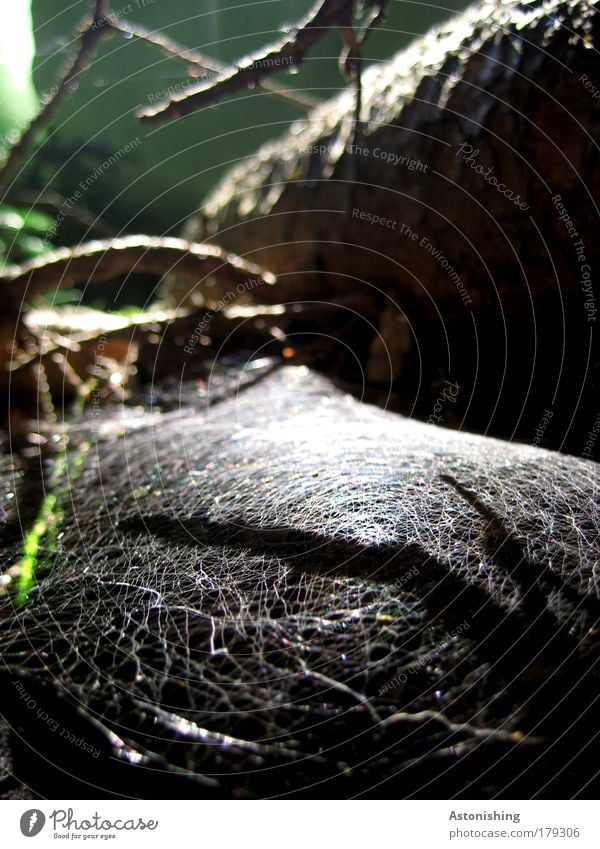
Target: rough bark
{"x": 503, "y": 78}
{"x": 471, "y": 285}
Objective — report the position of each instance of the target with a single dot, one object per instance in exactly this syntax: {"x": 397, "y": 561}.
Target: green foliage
{"x": 40, "y": 542}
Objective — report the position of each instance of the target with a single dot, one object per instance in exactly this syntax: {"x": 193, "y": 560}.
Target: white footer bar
{"x": 301, "y": 824}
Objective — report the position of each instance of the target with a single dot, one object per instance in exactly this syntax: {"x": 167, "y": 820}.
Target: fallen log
{"x": 468, "y": 138}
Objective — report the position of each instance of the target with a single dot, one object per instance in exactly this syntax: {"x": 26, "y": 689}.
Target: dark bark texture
{"x": 479, "y": 153}
{"x": 504, "y": 79}
{"x": 293, "y": 594}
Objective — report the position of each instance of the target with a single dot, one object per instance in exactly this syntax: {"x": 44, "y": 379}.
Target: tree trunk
{"x": 288, "y": 590}
{"x": 499, "y": 89}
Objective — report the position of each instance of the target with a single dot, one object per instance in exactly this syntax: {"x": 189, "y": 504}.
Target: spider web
{"x": 289, "y": 592}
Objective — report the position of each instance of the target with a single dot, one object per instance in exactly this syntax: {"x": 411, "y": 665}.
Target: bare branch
{"x": 484, "y": 734}
{"x": 289, "y": 52}
{"x": 204, "y": 63}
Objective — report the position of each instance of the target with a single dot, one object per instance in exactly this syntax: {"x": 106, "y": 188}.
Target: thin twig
{"x": 204, "y": 63}
{"x": 483, "y": 734}
{"x": 340, "y": 687}
{"x": 92, "y": 32}
{"x": 187, "y": 728}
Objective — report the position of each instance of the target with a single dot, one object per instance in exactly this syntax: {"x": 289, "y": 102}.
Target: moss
{"x": 39, "y": 544}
